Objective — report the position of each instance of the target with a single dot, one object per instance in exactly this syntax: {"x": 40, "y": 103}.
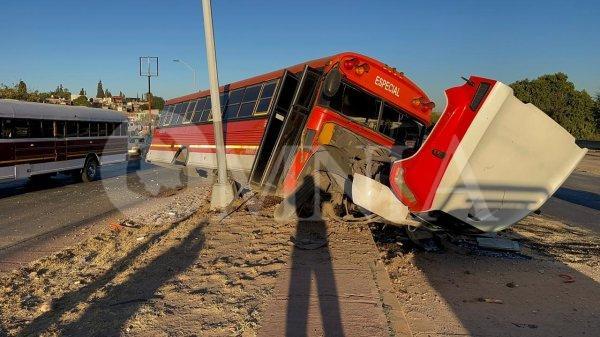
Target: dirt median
{"x": 550, "y": 288}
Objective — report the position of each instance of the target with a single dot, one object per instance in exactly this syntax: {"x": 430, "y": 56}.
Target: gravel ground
{"x": 550, "y": 288}
{"x": 171, "y": 271}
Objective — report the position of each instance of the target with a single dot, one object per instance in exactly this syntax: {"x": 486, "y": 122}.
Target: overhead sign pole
{"x": 222, "y": 192}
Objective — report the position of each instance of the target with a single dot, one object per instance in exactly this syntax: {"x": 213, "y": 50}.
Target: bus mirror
{"x": 332, "y": 83}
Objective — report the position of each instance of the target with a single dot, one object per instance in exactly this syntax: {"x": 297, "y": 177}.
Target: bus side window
{"x": 72, "y": 129}
{"x": 190, "y": 111}
{"x": 249, "y": 101}
{"x": 59, "y": 129}
{"x": 94, "y": 129}
{"x": 110, "y": 129}
{"x": 357, "y": 105}
{"x": 404, "y": 130}
{"x": 198, "y": 110}
{"x": 35, "y": 128}
{"x": 5, "y": 128}
{"x": 102, "y": 129}
{"x": 47, "y": 129}
{"x": 83, "y": 129}
{"x": 233, "y": 104}
{"x": 21, "y": 128}
{"x": 179, "y": 111}
{"x": 262, "y": 107}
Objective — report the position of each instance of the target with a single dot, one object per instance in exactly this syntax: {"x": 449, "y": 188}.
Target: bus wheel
{"x": 90, "y": 170}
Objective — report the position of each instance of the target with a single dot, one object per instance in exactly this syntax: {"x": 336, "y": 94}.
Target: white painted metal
{"x": 113, "y": 159}
{"x": 19, "y": 109}
{"x": 160, "y": 156}
{"x": 22, "y": 171}
{"x": 378, "y": 198}
{"x": 511, "y": 160}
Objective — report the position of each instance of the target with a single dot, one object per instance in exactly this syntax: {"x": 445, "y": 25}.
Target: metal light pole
{"x": 192, "y": 69}
{"x": 222, "y": 192}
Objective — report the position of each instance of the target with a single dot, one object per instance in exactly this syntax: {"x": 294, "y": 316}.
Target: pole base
{"x": 221, "y": 196}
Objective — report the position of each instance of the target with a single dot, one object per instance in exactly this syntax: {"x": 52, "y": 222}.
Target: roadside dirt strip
{"x": 175, "y": 270}
{"x": 339, "y": 289}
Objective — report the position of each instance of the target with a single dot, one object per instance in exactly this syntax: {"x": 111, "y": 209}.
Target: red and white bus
{"x": 362, "y": 124}
{"x": 42, "y": 139}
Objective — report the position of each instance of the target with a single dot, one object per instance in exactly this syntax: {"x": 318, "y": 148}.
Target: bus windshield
{"x": 372, "y": 112}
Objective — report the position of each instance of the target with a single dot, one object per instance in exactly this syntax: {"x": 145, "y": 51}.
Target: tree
{"x": 81, "y": 101}
{"x": 7, "y": 92}
{"x": 157, "y": 103}
{"x": 21, "y": 90}
{"x": 100, "y": 91}
{"x": 61, "y": 92}
{"x": 597, "y": 113}
{"x": 556, "y": 96}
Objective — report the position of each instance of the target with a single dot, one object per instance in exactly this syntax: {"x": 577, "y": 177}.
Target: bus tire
{"x": 90, "y": 170}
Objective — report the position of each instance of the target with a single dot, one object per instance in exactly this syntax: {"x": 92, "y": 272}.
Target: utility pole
{"x": 149, "y": 68}
{"x": 222, "y": 192}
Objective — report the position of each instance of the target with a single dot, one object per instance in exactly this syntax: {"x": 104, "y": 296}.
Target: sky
{"x": 77, "y": 43}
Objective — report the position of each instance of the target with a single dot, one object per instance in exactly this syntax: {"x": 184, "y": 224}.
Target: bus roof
{"x": 19, "y": 109}
{"x": 407, "y": 95}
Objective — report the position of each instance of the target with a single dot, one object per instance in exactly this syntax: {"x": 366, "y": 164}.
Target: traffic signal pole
{"x": 222, "y": 192}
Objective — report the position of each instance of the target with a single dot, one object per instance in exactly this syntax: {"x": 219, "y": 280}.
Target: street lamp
{"x": 192, "y": 69}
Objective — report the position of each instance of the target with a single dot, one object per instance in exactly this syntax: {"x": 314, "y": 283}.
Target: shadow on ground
{"x": 462, "y": 290}
{"x": 311, "y": 259}
{"x": 107, "y": 315}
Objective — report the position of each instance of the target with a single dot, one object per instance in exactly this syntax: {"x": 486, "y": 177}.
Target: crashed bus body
{"x": 358, "y": 130}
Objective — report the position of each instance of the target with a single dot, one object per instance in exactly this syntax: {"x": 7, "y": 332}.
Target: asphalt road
{"x": 577, "y": 202}
{"x": 29, "y": 210}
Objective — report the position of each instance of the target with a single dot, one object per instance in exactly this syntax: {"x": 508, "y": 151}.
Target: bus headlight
{"x": 407, "y": 194}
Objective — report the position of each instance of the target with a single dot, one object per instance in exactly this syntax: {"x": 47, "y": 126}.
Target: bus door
{"x": 284, "y": 128}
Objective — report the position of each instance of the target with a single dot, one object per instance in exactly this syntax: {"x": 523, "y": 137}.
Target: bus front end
{"x": 489, "y": 162}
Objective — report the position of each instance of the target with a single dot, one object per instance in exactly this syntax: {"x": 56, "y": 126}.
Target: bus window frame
{"x": 277, "y": 82}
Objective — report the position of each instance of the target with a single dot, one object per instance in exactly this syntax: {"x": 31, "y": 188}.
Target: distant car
{"x": 137, "y": 146}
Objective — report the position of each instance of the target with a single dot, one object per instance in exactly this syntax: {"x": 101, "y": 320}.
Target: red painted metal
{"x": 242, "y": 132}
{"x": 319, "y": 117}
{"x": 423, "y": 171}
